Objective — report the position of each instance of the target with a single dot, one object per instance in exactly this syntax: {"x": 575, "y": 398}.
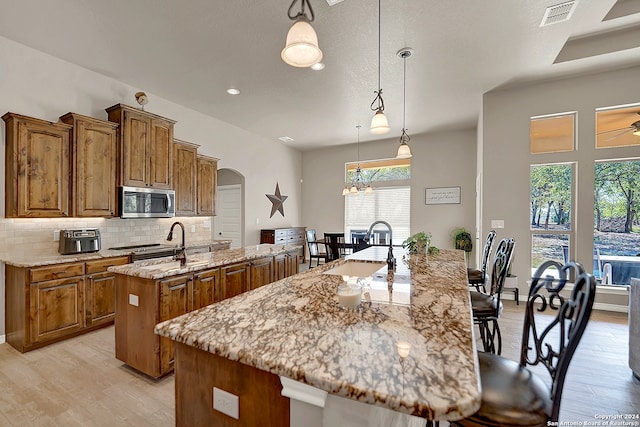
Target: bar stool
{"x": 512, "y": 395}
{"x": 476, "y": 277}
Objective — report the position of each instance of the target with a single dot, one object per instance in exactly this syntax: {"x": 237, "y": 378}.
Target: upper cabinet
{"x": 37, "y": 168}
{"x": 207, "y": 185}
{"x": 93, "y": 166}
{"x": 146, "y": 147}
{"x": 184, "y": 177}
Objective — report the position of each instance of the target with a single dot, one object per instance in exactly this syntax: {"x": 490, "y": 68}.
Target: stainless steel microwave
{"x": 142, "y": 202}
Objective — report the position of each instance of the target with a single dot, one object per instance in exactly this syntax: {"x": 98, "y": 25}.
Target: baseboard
{"x": 2, "y": 339}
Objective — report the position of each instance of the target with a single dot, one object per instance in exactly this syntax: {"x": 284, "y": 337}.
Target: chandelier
{"x": 357, "y": 184}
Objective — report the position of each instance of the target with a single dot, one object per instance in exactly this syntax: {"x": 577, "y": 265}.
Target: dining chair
{"x": 478, "y": 277}
{"x": 487, "y": 308}
{"x": 514, "y": 395}
{"x": 315, "y": 247}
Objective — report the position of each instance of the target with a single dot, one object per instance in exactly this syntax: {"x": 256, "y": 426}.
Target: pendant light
{"x": 357, "y": 184}
{"x": 379, "y": 122}
{"x": 301, "y": 48}
{"x": 404, "y": 151}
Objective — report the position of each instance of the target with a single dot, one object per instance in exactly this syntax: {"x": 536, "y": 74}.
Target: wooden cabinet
{"x": 93, "y": 166}
{"x": 184, "y": 180}
{"x": 51, "y": 303}
{"x": 234, "y": 280}
{"x": 145, "y": 147}
{"x": 36, "y": 168}
{"x": 176, "y": 299}
{"x": 207, "y": 186}
{"x": 286, "y": 265}
{"x": 261, "y": 272}
{"x": 285, "y": 236}
{"x": 100, "y": 291}
{"x": 206, "y": 288}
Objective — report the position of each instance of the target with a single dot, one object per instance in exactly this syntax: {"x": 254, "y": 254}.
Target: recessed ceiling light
{"x": 285, "y": 139}
{"x": 318, "y": 66}
{"x": 233, "y": 91}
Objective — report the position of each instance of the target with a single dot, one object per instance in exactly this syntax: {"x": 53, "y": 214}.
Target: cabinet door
{"x": 175, "y": 300}
{"x": 184, "y": 168}
{"x": 56, "y": 308}
{"x": 37, "y": 168}
{"x": 100, "y": 299}
{"x": 280, "y": 266}
{"x": 292, "y": 264}
{"x": 261, "y": 272}
{"x": 94, "y": 168}
{"x": 206, "y": 286}
{"x": 136, "y": 130}
{"x": 207, "y": 186}
{"x": 161, "y": 154}
{"x": 234, "y": 280}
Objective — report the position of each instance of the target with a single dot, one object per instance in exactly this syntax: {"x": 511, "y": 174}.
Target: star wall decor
{"x": 277, "y": 200}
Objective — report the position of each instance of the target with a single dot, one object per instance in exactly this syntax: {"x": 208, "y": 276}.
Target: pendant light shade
{"x": 301, "y": 48}
{"x": 404, "y": 151}
{"x": 379, "y": 122}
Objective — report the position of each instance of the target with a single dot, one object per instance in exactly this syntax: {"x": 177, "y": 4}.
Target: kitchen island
{"x": 408, "y": 347}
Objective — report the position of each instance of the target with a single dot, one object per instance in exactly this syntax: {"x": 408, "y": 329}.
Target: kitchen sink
{"x": 356, "y": 268}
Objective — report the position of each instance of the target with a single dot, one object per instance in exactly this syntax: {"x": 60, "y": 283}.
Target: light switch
{"x": 497, "y": 223}
{"x": 133, "y": 300}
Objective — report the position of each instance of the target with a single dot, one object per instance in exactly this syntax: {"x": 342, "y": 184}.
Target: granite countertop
{"x": 295, "y": 328}
{"x": 29, "y": 261}
{"x": 161, "y": 268}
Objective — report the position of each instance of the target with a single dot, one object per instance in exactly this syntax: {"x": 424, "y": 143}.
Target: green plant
{"x": 462, "y": 239}
{"x": 418, "y": 242}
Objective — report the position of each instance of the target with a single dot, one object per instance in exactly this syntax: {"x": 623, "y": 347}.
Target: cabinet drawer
{"x": 56, "y": 272}
{"x": 100, "y": 265}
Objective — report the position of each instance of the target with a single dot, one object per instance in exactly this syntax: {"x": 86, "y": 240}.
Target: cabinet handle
{"x": 207, "y": 279}
{"x": 59, "y": 272}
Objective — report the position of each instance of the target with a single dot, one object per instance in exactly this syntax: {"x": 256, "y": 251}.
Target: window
{"x": 552, "y": 134}
{"x": 390, "y": 200}
{"x": 616, "y": 234}
{"x": 390, "y": 204}
{"x": 618, "y": 126}
{"x": 551, "y": 214}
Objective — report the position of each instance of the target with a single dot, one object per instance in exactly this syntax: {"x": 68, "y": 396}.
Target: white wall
{"x": 506, "y": 156}
{"x": 445, "y": 159}
{"x": 41, "y": 86}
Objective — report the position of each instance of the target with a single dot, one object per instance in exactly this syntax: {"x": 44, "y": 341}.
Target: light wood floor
{"x": 79, "y": 382}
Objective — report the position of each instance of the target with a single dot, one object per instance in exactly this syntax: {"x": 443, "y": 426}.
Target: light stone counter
{"x": 159, "y": 269}
{"x": 295, "y": 328}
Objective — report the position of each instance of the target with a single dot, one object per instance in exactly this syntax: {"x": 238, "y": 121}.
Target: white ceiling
{"x": 191, "y": 51}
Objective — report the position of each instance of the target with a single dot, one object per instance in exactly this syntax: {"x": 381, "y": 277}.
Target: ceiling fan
{"x": 633, "y": 128}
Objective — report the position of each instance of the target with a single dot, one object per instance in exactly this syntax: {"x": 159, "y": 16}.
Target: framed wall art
{"x": 442, "y": 196}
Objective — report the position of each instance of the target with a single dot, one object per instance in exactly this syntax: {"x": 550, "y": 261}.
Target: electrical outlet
{"x": 56, "y": 235}
{"x": 133, "y": 300}
{"x": 226, "y": 403}
{"x": 193, "y": 228}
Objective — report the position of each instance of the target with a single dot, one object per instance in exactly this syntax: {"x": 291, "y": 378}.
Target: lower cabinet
{"x": 47, "y": 304}
{"x": 143, "y": 303}
{"x": 234, "y": 280}
{"x": 286, "y": 265}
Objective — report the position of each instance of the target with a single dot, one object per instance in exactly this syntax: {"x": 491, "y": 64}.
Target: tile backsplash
{"x": 21, "y": 237}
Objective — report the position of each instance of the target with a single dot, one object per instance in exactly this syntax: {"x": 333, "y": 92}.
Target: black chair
{"x": 315, "y": 247}
{"x": 335, "y": 245}
{"x": 478, "y": 278}
{"x": 513, "y": 395}
{"x": 487, "y": 308}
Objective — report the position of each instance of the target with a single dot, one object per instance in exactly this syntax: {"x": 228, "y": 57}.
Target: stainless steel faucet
{"x": 391, "y": 261}
{"x": 182, "y": 254}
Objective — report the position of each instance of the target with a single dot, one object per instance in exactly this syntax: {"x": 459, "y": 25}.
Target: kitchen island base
{"x": 197, "y": 372}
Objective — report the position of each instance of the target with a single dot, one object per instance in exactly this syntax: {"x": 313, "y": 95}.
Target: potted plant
{"x": 417, "y": 243}
{"x": 462, "y": 240}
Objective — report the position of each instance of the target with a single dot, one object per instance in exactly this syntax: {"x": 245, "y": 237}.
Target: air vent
{"x": 285, "y": 139}
{"x": 558, "y": 13}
